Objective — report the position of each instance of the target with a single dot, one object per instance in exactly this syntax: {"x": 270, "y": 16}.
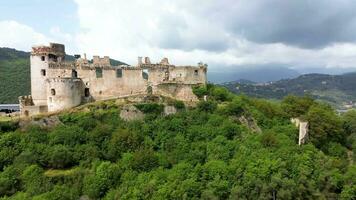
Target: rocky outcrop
{"x": 251, "y": 123}
{"x": 45, "y": 122}
{"x": 169, "y": 110}
{"x": 130, "y": 112}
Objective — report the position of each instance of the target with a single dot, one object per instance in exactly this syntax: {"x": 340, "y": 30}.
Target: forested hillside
{"x": 199, "y": 153}
{"x": 334, "y": 89}
{"x": 15, "y": 74}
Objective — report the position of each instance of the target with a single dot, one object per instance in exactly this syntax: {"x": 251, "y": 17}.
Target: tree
{"x": 295, "y": 106}
{"x": 104, "y": 177}
{"x": 144, "y": 160}
{"x": 324, "y": 125}
{"x": 207, "y": 106}
{"x": 59, "y": 156}
{"x": 34, "y": 181}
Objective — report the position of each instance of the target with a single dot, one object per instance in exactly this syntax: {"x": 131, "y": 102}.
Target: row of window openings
{"x": 99, "y": 73}
{"x": 51, "y": 57}
{"x": 86, "y": 93}
{"x": 74, "y": 73}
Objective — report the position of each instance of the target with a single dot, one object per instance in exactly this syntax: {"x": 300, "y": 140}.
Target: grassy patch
{"x": 61, "y": 172}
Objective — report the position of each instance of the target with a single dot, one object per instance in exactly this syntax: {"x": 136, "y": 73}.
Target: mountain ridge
{"x": 338, "y": 90}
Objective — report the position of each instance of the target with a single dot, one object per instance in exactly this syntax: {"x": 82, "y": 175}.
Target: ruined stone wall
{"x": 27, "y": 111}
{"x": 78, "y": 82}
{"x": 109, "y": 85}
{"x": 181, "y": 74}
{"x": 64, "y": 93}
{"x": 181, "y": 92}
{"x": 101, "y": 61}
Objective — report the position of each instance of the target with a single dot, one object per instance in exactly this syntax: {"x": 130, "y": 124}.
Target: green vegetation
{"x": 14, "y": 75}
{"x": 335, "y": 90}
{"x": 198, "y": 153}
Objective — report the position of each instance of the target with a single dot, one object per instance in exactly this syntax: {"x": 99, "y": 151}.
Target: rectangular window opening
{"x": 145, "y": 74}
{"x": 99, "y": 72}
{"x": 43, "y": 72}
{"x": 119, "y": 73}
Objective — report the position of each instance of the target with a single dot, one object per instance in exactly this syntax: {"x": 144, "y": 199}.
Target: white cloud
{"x": 185, "y": 31}
{"x": 19, "y": 36}
{"x": 188, "y": 32}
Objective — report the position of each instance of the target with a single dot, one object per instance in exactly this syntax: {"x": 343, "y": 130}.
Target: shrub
{"x": 150, "y": 108}
{"x": 179, "y": 105}
{"x": 200, "y": 91}
{"x": 59, "y": 156}
{"x": 144, "y": 160}
{"x": 220, "y": 94}
{"x": 207, "y": 106}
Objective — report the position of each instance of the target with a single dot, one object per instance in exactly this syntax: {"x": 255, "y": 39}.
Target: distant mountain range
{"x": 338, "y": 90}
{"x": 257, "y": 74}
{"x": 15, "y": 74}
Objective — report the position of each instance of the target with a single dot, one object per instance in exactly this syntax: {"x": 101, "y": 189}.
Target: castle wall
{"x": 64, "y": 93}
{"x": 181, "y": 92}
{"x": 58, "y": 85}
{"x": 172, "y": 74}
{"x": 109, "y": 85}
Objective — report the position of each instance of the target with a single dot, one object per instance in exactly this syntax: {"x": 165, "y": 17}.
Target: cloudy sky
{"x": 226, "y": 34}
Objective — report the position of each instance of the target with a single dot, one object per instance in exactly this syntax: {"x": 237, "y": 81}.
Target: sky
{"x": 225, "y": 34}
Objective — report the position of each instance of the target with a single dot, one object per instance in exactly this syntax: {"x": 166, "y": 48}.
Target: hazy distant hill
{"x": 335, "y": 89}
{"x": 258, "y": 74}
{"x": 15, "y": 74}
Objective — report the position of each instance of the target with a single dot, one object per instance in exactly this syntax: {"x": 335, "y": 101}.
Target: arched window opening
{"x": 43, "y": 58}
{"x": 43, "y": 72}
{"x": 86, "y": 92}
{"x": 52, "y": 57}
{"x": 74, "y": 74}
{"x": 53, "y": 92}
{"x": 145, "y": 74}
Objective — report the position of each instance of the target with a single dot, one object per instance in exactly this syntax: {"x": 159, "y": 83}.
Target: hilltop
{"x": 15, "y": 74}
{"x": 336, "y": 90}
{"x": 210, "y": 151}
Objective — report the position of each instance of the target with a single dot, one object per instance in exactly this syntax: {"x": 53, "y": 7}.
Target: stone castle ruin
{"x": 57, "y": 84}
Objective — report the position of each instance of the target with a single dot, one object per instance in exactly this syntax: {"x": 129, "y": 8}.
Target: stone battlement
{"x": 53, "y": 48}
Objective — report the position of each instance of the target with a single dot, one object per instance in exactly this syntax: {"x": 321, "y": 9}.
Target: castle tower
{"x": 64, "y": 93}
{"x": 41, "y": 57}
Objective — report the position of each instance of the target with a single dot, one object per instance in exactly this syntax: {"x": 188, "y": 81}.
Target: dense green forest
{"x": 15, "y": 74}
{"x": 197, "y": 153}
{"x": 333, "y": 89}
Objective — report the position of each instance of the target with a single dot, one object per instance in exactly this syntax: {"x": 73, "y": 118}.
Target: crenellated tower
{"x": 41, "y": 56}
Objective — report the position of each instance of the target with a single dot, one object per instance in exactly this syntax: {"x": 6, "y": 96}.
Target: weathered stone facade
{"x": 303, "y": 130}
{"x": 57, "y": 84}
